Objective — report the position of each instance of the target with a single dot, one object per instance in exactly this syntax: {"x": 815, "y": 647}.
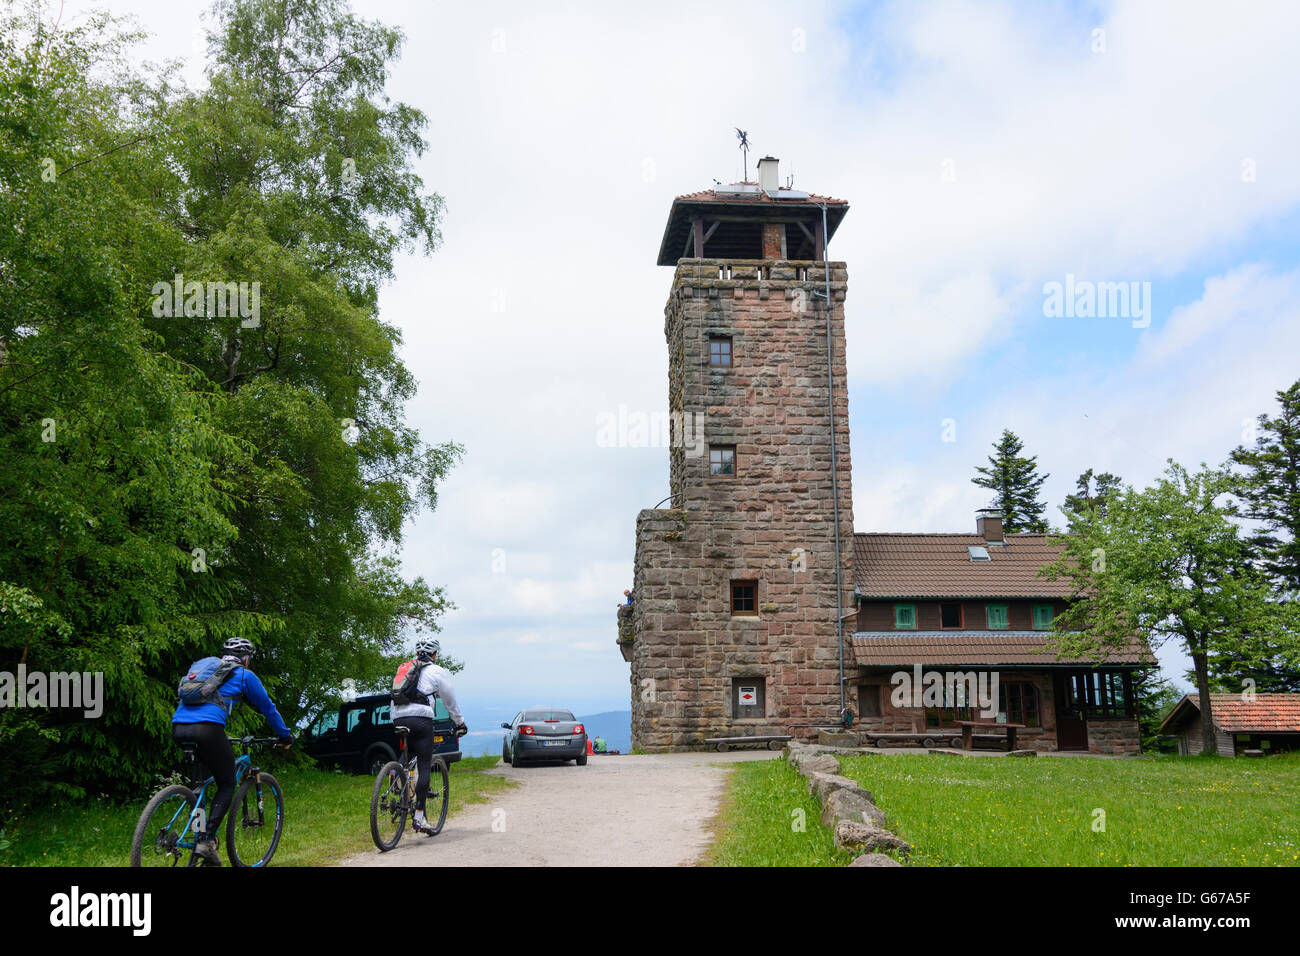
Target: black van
{"x": 359, "y": 735}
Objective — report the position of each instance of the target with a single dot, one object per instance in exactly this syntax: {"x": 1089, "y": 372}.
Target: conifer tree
{"x": 1092, "y": 492}
{"x": 1015, "y": 483}
{"x": 1269, "y": 489}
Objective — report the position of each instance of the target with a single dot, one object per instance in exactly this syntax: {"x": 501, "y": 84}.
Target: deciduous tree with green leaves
{"x": 1015, "y": 483}
{"x": 1168, "y": 563}
{"x": 169, "y": 481}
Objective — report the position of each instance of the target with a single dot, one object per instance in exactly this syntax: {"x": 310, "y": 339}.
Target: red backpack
{"x": 407, "y": 682}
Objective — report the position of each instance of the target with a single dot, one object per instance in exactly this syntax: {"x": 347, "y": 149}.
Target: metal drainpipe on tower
{"x": 835, "y": 465}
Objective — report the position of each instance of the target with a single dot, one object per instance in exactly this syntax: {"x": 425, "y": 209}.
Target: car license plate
{"x": 554, "y": 743}
{"x": 437, "y": 740}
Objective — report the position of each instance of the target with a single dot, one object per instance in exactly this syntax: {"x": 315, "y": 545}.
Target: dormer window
{"x": 978, "y": 552}
{"x": 950, "y": 616}
{"x": 998, "y": 619}
{"x": 1043, "y": 617}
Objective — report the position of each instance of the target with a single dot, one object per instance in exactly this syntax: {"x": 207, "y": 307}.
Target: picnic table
{"x": 968, "y": 731}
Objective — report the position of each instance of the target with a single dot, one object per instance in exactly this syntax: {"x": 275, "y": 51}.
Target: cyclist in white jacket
{"x": 435, "y": 682}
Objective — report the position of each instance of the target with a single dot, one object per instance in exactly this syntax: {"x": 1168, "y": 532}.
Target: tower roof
{"x": 741, "y": 204}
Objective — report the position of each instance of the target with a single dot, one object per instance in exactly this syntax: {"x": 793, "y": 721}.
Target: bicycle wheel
{"x": 166, "y": 818}
{"x": 439, "y": 795}
{"x": 255, "y": 821}
{"x": 389, "y": 806}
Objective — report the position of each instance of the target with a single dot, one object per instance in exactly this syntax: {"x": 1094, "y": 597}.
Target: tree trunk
{"x": 1208, "y": 745}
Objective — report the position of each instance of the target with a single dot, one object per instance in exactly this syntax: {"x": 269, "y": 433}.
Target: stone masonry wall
{"x": 1119, "y": 736}
{"x": 771, "y": 522}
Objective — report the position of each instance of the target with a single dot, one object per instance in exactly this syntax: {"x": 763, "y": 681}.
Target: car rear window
{"x": 548, "y": 715}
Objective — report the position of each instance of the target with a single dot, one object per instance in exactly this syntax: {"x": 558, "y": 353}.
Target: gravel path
{"x": 625, "y": 810}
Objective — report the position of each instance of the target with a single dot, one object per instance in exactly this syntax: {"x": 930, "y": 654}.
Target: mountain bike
{"x": 174, "y": 817}
{"x": 393, "y": 799}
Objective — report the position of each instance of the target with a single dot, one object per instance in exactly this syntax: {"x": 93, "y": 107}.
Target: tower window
{"x": 997, "y": 617}
{"x": 1042, "y": 617}
{"x": 720, "y": 351}
{"x": 722, "y": 459}
{"x": 744, "y": 597}
{"x": 905, "y": 617}
{"x": 950, "y": 615}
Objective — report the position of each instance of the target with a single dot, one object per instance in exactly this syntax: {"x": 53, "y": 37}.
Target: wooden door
{"x": 1071, "y": 727}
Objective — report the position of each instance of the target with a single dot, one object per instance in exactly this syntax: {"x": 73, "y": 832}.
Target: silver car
{"x": 544, "y": 733}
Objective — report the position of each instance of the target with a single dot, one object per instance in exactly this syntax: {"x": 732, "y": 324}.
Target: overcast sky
{"x": 986, "y": 149}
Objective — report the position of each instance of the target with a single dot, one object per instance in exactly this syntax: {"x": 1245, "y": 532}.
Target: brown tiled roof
{"x": 888, "y": 565}
{"x": 974, "y": 649}
{"x": 710, "y": 195}
{"x": 1267, "y": 713}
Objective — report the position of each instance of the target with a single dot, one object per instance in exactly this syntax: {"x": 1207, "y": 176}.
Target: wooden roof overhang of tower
{"x": 709, "y": 225}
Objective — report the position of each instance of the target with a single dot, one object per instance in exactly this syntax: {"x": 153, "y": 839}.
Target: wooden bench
{"x": 933, "y": 739}
{"x": 723, "y": 744}
{"x": 967, "y": 741}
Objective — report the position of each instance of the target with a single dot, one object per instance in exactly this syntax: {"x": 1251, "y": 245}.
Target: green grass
{"x": 1163, "y": 811}
{"x": 327, "y": 817}
{"x": 760, "y": 823}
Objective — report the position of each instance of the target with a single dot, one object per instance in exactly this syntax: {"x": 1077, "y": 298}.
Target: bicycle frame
{"x": 198, "y": 815}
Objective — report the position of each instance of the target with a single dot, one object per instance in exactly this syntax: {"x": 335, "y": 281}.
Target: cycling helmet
{"x": 238, "y": 646}
{"x": 426, "y": 648}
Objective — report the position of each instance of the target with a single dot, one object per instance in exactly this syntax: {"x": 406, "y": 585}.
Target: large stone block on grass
{"x": 824, "y": 784}
{"x": 851, "y": 806}
{"x": 862, "y": 837}
{"x": 809, "y": 763}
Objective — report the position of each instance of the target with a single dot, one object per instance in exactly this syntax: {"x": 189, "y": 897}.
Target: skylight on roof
{"x": 978, "y": 552}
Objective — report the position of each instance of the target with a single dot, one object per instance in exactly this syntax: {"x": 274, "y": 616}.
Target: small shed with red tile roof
{"x": 1257, "y": 722}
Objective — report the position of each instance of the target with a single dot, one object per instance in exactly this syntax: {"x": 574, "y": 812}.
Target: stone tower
{"x": 732, "y": 630}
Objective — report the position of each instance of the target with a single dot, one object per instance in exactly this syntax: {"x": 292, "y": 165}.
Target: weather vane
{"x": 744, "y": 146}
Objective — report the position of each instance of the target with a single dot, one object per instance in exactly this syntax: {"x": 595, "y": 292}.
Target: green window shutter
{"x": 997, "y": 616}
{"x": 1042, "y": 617}
{"x": 905, "y": 616}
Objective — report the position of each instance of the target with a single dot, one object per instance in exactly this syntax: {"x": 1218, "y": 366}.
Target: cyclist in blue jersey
{"x": 205, "y": 725}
